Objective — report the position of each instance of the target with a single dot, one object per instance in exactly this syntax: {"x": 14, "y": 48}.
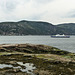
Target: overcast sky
{"x": 53, "y": 11}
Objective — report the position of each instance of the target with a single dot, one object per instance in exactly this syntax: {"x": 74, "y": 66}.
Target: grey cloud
{"x": 36, "y": 16}
{"x": 71, "y": 14}
{"x": 43, "y": 1}
{"x": 8, "y": 6}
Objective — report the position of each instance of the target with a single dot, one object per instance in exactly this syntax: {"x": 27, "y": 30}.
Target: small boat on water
{"x": 60, "y": 36}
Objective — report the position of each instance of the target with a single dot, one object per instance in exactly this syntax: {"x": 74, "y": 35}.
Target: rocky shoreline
{"x": 48, "y": 60}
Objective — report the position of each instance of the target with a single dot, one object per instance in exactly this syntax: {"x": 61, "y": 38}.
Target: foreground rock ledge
{"x": 40, "y": 51}
{"x": 31, "y": 48}
{"x": 51, "y": 60}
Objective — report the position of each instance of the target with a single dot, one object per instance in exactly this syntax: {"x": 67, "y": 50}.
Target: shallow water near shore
{"x": 67, "y": 44}
{"x": 16, "y": 63}
{"x": 27, "y": 67}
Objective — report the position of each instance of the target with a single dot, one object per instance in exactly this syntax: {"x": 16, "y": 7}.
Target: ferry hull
{"x": 66, "y": 36}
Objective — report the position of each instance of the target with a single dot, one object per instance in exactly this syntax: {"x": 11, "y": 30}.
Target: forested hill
{"x": 35, "y": 28}
{"x": 69, "y": 28}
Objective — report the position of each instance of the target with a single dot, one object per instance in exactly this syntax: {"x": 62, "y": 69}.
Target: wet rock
{"x": 42, "y": 72}
{"x": 53, "y": 66}
{"x": 72, "y": 62}
{"x": 27, "y": 56}
{"x": 31, "y": 48}
{"x": 13, "y": 62}
{"x": 16, "y": 70}
{"x": 70, "y": 69}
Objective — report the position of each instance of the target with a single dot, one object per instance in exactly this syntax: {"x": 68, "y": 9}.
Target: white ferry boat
{"x": 60, "y": 36}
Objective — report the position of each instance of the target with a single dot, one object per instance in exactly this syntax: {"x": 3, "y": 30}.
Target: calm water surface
{"x": 28, "y": 67}
{"x": 67, "y": 44}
